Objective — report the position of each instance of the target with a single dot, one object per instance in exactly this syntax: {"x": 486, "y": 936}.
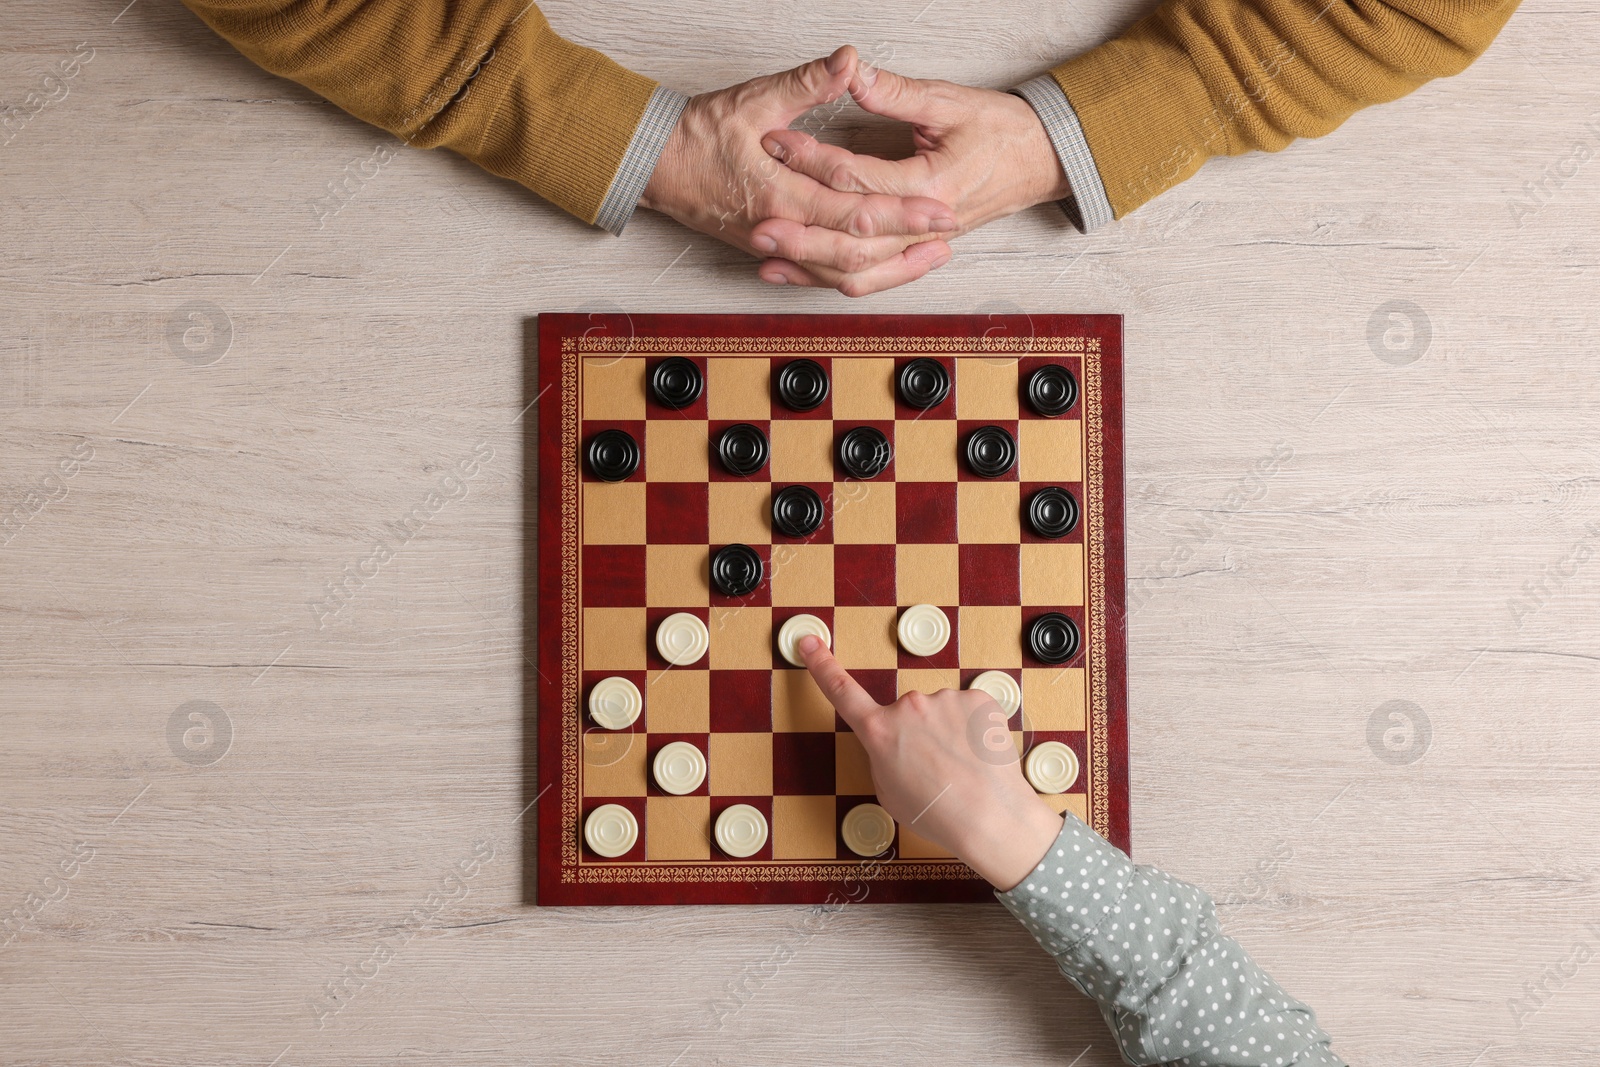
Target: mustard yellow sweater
{"x": 1195, "y": 78}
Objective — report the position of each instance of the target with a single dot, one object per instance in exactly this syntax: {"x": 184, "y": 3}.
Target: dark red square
{"x": 652, "y": 618}
{"x": 964, "y": 429}
{"x": 761, "y": 596}
{"x": 1073, "y": 739}
{"x": 613, "y": 576}
{"x": 863, "y": 575}
{"x": 653, "y": 410}
{"x": 823, "y": 534}
{"x": 639, "y": 680}
{"x": 761, "y": 804}
{"x": 741, "y": 702}
{"x": 925, "y": 513}
{"x": 676, "y": 513}
{"x": 842, "y": 428}
{"x": 634, "y": 427}
{"x": 990, "y": 574}
{"x": 1074, "y": 536}
{"x": 1025, "y": 368}
{"x": 946, "y": 410}
{"x": 879, "y": 684}
{"x": 802, "y": 763}
{"x": 782, "y": 615}
{"x": 823, "y": 410}
{"x": 1075, "y": 613}
{"x": 843, "y": 807}
{"x": 633, "y": 804}
{"x": 948, "y": 656}
{"x": 655, "y": 743}
{"x": 719, "y": 473}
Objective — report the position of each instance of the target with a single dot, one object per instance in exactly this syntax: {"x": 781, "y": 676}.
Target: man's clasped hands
{"x": 820, "y": 215}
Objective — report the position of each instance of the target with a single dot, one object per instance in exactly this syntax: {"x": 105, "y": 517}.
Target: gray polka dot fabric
{"x": 1147, "y": 948}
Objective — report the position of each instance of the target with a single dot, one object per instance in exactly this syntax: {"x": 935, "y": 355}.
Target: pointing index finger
{"x": 848, "y": 698}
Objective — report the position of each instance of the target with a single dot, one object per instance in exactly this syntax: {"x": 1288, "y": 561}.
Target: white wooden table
{"x": 1335, "y": 502}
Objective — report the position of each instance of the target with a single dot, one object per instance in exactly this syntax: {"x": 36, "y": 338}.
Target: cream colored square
{"x": 863, "y": 513}
{"x": 740, "y": 764}
{"x": 798, "y": 706}
{"x": 675, "y": 450}
{"x": 613, "y": 389}
{"x": 1050, "y": 450}
{"x": 677, "y": 576}
{"x": 804, "y": 828}
{"x": 927, "y": 574}
{"x": 852, "y": 770}
{"x": 1077, "y": 803}
{"x": 864, "y": 637}
{"x": 740, "y": 513}
{"x": 677, "y": 828}
{"x": 988, "y": 513}
{"x": 613, "y": 513}
{"x": 613, "y": 639}
{"x": 741, "y": 639}
{"x": 986, "y": 387}
{"x": 914, "y": 847}
{"x": 863, "y": 388}
{"x": 925, "y": 450}
{"x": 802, "y": 450}
{"x": 613, "y": 764}
{"x": 927, "y": 680}
{"x": 1053, "y": 698}
{"x": 802, "y": 575}
{"x": 1052, "y": 574}
{"x": 991, "y": 637}
{"x": 739, "y": 388}
{"x": 678, "y": 701}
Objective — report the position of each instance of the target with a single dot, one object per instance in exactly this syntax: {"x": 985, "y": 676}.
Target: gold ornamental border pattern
{"x": 573, "y": 868}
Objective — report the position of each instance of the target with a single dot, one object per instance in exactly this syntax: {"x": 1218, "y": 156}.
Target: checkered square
{"x": 965, "y": 429}
{"x": 614, "y": 575}
{"x": 822, "y": 412}
{"x": 634, "y": 804}
{"x": 657, "y": 741}
{"x": 864, "y": 575}
{"x": 946, "y": 410}
{"x": 925, "y": 513}
{"x": 635, "y": 429}
{"x": 695, "y": 412}
{"x": 803, "y": 762}
{"x": 719, "y": 473}
{"x": 676, "y": 513}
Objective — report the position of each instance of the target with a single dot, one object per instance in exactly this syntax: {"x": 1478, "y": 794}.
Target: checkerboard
{"x": 615, "y": 558}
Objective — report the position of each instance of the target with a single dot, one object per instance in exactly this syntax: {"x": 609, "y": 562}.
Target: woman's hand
{"x": 944, "y": 764}
{"x": 985, "y": 153}
{"x": 715, "y": 177}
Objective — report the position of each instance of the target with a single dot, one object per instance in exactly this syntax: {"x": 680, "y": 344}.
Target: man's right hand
{"x": 714, "y": 176}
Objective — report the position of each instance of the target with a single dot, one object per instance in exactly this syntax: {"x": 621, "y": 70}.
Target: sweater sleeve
{"x": 1201, "y": 78}
{"x": 1147, "y": 948}
{"x": 486, "y": 78}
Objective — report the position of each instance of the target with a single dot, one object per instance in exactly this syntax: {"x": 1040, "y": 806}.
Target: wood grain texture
{"x": 1313, "y": 532}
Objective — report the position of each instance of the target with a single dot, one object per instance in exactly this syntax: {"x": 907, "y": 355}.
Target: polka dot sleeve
{"x": 1147, "y": 948}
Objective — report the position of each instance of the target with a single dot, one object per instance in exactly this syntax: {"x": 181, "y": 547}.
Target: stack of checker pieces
{"x": 730, "y": 474}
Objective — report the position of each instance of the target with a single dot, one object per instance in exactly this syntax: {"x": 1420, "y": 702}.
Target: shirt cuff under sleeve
{"x": 1089, "y": 208}
{"x": 639, "y": 161}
